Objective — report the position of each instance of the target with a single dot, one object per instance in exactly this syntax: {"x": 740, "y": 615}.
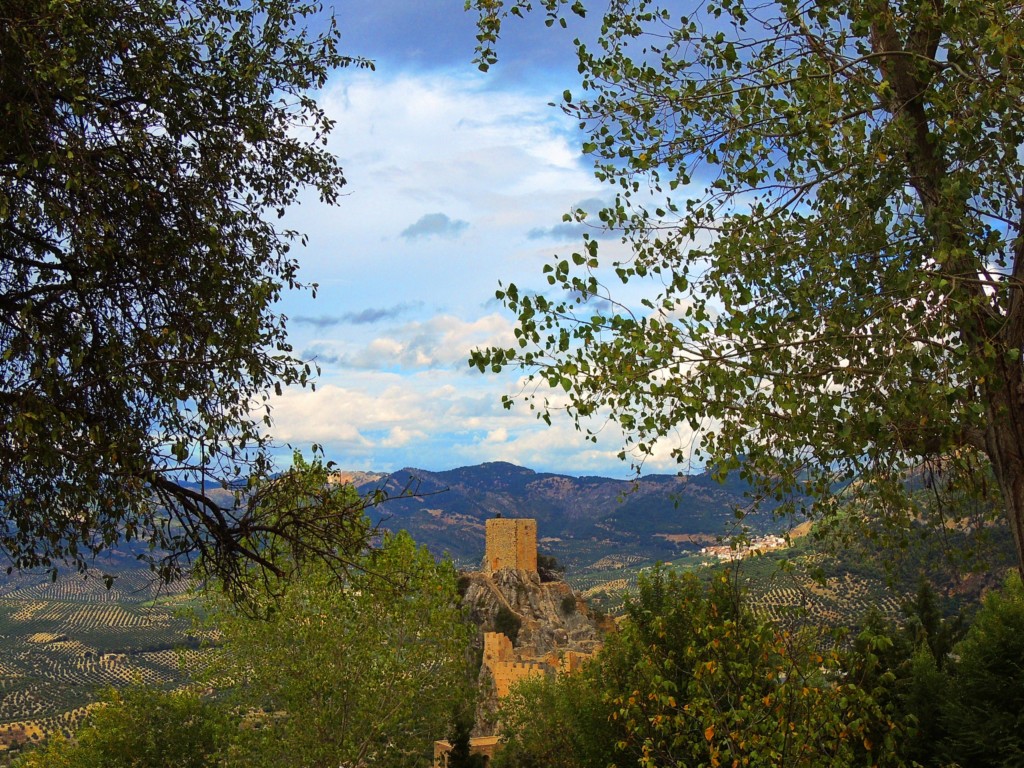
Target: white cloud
{"x": 413, "y": 145}
{"x": 439, "y": 341}
{"x": 495, "y": 436}
{"x": 396, "y": 388}
{"x": 399, "y": 437}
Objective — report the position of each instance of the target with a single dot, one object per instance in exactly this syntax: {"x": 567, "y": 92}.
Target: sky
{"x": 456, "y": 180}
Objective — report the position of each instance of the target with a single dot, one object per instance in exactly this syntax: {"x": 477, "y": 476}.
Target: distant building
{"x": 512, "y": 543}
{"x": 727, "y": 553}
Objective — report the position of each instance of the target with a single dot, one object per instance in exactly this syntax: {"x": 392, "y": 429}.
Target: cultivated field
{"x": 62, "y": 641}
{"x": 784, "y": 595}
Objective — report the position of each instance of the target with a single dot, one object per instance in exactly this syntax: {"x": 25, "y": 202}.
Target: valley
{"x": 64, "y": 640}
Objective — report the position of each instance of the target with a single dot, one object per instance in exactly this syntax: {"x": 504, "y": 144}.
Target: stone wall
{"x": 497, "y": 648}
{"x": 508, "y": 666}
{"x": 572, "y": 661}
{"x": 511, "y": 543}
{"x": 508, "y": 673}
{"x": 478, "y": 745}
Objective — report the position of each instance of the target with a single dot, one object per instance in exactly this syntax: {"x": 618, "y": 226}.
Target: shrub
{"x": 568, "y": 605}
{"x": 507, "y": 623}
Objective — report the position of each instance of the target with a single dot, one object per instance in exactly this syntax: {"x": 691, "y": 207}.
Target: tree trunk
{"x": 1004, "y": 443}
{"x": 987, "y": 321}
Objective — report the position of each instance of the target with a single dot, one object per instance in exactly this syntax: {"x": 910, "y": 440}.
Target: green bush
{"x": 142, "y": 728}
{"x": 693, "y": 678}
{"x": 985, "y": 713}
{"x": 550, "y": 563}
{"x": 568, "y": 605}
{"x": 507, "y": 623}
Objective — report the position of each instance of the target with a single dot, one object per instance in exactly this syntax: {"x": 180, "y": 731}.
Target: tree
{"x": 363, "y": 671}
{"x": 693, "y": 678}
{"x": 460, "y": 755}
{"x": 146, "y": 152}
{"x": 822, "y": 207}
{"x": 142, "y": 728}
{"x": 984, "y": 715}
{"x": 560, "y": 723}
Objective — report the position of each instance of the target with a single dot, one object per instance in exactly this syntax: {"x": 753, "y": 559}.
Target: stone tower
{"x": 511, "y": 543}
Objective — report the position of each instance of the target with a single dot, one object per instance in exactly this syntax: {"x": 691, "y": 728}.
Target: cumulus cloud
{"x": 442, "y": 341}
{"x": 434, "y": 224}
{"x": 399, "y": 310}
{"x": 424, "y": 421}
{"x": 399, "y": 437}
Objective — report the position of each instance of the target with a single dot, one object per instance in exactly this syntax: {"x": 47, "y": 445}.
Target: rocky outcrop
{"x": 552, "y": 617}
{"x": 550, "y": 624}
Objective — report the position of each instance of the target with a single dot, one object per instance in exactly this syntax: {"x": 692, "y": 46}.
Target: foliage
{"x": 821, "y": 210}
{"x": 562, "y": 723}
{"x": 694, "y": 679}
{"x": 549, "y": 568}
{"x": 295, "y": 518}
{"x": 365, "y": 670}
{"x": 550, "y": 563}
{"x": 146, "y": 150}
{"x": 568, "y": 605}
{"x": 925, "y": 698}
{"x": 142, "y": 728}
{"x": 985, "y": 716}
{"x": 506, "y": 622}
{"x": 958, "y": 697}
{"x": 927, "y": 625}
{"x": 460, "y": 755}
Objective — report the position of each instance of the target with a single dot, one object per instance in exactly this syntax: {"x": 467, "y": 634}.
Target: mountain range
{"x": 580, "y": 519}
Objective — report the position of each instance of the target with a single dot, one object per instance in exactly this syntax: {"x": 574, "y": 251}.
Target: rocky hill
{"x": 548, "y": 615}
{"x": 528, "y": 627}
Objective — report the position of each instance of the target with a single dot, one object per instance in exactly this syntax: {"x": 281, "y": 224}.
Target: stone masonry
{"x": 511, "y": 543}
{"x": 506, "y": 669}
{"x": 552, "y": 640}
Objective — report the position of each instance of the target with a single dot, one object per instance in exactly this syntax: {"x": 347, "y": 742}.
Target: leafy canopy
{"x": 365, "y": 670}
{"x": 693, "y": 678}
{"x": 147, "y": 150}
{"x": 821, "y": 207}
{"x": 142, "y": 728}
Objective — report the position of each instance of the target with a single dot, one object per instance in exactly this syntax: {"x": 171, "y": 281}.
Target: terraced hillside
{"x": 63, "y": 640}
{"x": 784, "y": 595}
{"x": 811, "y": 582}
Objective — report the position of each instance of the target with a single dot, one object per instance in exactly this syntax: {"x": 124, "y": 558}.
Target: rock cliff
{"x": 545, "y": 621}
{"x": 551, "y": 616}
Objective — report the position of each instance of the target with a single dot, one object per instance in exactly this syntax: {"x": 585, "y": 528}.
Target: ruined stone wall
{"x": 505, "y": 667}
{"x": 508, "y": 673}
{"x": 497, "y": 648}
{"x": 478, "y": 745}
{"x": 572, "y": 661}
{"x": 511, "y": 543}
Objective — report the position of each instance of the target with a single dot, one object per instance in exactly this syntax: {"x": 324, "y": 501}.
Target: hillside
{"x": 61, "y": 641}
{"x": 581, "y": 519}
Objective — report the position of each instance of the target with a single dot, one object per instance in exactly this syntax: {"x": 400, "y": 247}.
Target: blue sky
{"x": 456, "y": 180}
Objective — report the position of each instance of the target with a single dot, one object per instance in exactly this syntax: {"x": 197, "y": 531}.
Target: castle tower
{"x": 511, "y": 543}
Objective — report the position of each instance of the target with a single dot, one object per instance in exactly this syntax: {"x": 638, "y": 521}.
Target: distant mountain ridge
{"x": 579, "y": 519}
